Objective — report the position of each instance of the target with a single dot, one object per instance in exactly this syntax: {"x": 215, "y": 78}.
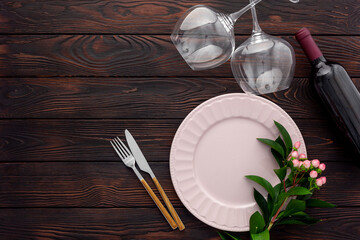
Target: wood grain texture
{"x": 139, "y": 223}
{"x": 136, "y": 55}
{"x": 148, "y": 97}
{"x": 80, "y": 72}
{"x": 88, "y": 140}
{"x": 111, "y": 184}
{"x": 149, "y": 17}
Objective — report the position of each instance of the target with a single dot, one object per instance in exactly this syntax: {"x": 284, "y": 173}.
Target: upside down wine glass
{"x": 204, "y": 37}
{"x": 263, "y": 63}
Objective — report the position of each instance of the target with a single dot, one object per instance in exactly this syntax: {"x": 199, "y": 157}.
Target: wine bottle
{"x": 335, "y": 88}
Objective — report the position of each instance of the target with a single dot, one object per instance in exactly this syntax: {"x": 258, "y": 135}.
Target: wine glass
{"x": 263, "y": 63}
{"x": 204, "y": 37}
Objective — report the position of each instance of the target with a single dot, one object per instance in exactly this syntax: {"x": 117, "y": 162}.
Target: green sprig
{"x": 286, "y": 201}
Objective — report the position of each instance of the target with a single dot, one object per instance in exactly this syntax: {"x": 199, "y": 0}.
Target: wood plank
{"x": 136, "y": 55}
{"x": 149, "y": 97}
{"x": 100, "y": 184}
{"x": 341, "y": 223}
{"x": 154, "y": 17}
{"x": 88, "y": 140}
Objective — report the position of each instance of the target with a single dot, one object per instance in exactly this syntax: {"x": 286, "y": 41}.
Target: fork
{"x": 129, "y": 160}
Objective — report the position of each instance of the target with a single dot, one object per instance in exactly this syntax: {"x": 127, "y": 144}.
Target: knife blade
{"x": 138, "y": 155}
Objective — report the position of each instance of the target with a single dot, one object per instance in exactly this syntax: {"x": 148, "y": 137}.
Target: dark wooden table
{"x": 76, "y": 73}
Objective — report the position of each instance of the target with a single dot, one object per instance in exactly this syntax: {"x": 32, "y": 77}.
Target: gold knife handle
{"x": 169, "y": 205}
{"x": 159, "y": 204}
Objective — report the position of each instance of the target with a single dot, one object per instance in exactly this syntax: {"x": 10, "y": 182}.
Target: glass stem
{"x": 256, "y": 26}
{"x": 234, "y": 16}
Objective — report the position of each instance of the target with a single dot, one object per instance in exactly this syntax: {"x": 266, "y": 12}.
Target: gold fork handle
{"x": 159, "y": 204}
{"x": 169, "y": 205}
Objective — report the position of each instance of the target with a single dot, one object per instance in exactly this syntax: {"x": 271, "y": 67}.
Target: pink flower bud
{"x": 302, "y": 156}
{"x": 319, "y": 182}
{"x": 313, "y": 174}
{"x": 323, "y": 179}
{"x": 322, "y": 166}
{"x": 307, "y": 164}
{"x": 301, "y": 163}
{"x": 296, "y": 163}
{"x": 315, "y": 163}
{"x": 297, "y": 144}
{"x": 295, "y": 154}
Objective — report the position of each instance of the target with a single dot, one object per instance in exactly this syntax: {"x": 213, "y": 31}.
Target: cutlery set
{"x": 133, "y": 156}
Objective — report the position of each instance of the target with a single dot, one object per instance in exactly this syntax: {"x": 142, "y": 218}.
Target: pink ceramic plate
{"x": 215, "y": 147}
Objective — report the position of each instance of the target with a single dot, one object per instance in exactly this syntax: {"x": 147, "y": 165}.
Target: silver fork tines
{"x": 125, "y": 155}
{"x": 123, "y": 152}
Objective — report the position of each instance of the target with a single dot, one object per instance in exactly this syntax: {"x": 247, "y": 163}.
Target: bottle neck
{"x": 321, "y": 66}
{"x": 316, "y": 62}
{"x": 309, "y": 46}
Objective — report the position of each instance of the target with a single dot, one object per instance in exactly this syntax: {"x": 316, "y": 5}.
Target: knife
{"x": 144, "y": 166}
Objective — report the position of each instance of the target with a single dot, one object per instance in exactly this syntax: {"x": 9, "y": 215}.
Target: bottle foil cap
{"x": 312, "y": 51}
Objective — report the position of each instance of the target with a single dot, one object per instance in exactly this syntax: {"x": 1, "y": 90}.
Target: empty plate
{"x": 215, "y": 147}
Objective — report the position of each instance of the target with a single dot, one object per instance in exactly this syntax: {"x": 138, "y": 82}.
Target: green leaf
{"x": 281, "y": 173}
{"x": 257, "y": 223}
{"x": 290, "y": 221}
{"x": 286, "y": 137}
{"x": 277, "y": 189}
{"x": 304, "y": 217}
{"x": 260, "y": 200}
{"x": 289, "y": 181}
{"x": 279, "y": 159}
{"x": 232, "y": 237}
{"x": 294, "y": 206}
{"x": 263, "y": 182}
{"x": 304, "y": 197}
{"x": 291, "y": 177}
{"x": 303, "y": 180}
{"x": 281, "y": 142}
{"x": 297, "y": 218}
{"x": 319, "y": 203}
{"x": 282, "y": 197}
{"x": 300, "y": 214}
{"x": 222, "y": 236}
{"x": 274, "y": 145}
{"x": 264, "y": 235}
{"x": 270, "y": 204}
{"x": 298, "y": 191}
{"x": 310, "y": 220}
{"x": 278, "y": 203}
{"x": 226, "y": 236}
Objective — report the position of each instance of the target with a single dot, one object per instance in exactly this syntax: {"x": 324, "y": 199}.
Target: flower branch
{"x": 298, "y": 176}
